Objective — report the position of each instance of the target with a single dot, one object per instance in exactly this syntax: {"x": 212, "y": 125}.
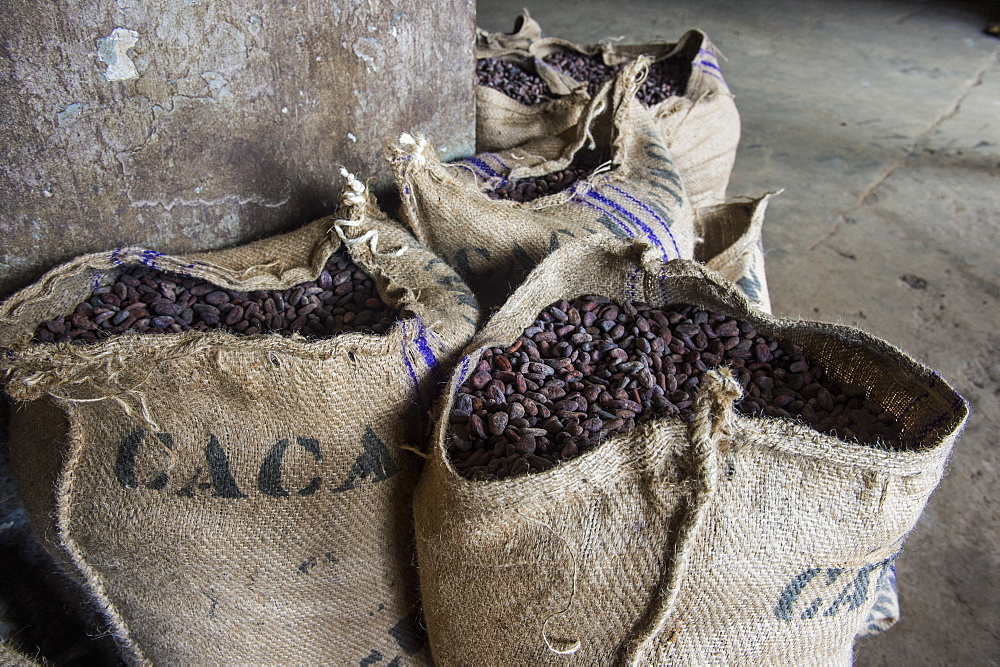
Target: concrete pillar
{"x": 194, "y": 124}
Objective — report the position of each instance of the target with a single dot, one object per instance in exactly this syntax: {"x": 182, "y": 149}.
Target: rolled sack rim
{"x": 491, "y": 97}
{"x": 19, "y": 360}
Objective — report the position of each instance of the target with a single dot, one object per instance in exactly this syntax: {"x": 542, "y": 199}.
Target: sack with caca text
{"x": 237, "y": 497}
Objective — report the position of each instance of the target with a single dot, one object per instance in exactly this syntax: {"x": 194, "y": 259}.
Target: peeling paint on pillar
{"x": 185, "y": 125}
{"x": 113, "y": 51}
{"x": 371, "y": 52}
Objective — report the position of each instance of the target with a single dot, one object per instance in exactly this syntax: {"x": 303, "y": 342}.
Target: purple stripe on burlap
{"x": 656, "y": 216}
{"x": 406, "y": 357}
{"x": 481, "y": 166}
{"x": 632, "y": 284}
{"x": 664, "y": 294}
{"x": 424, "y": 346}
{"x": 463, "y": 370}
{"x": 625, "y": 228}
{"x": 714, "y": 74}
{"x": 149, "y": 258}
{"x": 496, "y": 158}
{"x": 634, "y": 218}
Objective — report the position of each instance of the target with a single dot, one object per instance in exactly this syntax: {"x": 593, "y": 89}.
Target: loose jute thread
{"x": 357, "y": 196}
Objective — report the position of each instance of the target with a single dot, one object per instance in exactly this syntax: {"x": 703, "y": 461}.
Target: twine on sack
{"x": 601, "y": 106}
{"x": 145, "y": 415}
{"x": 711, "y": 428}
{"x": 560, "y": 646}
{"x": 412, "y": 147}
{"x": 415, "y": 145}
{"x": 357, "y": 196}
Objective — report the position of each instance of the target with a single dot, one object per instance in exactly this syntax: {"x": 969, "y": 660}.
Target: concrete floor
{"x": 881, "y": 120}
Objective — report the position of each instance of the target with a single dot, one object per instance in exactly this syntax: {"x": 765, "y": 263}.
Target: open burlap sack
{"x": 491, "y": 44}
{"x": 701, "y": 127}
{"x": 502, "y": 122}
{"x": 239, "y": 499}
{"x": 729, "y": 242}
{"x": 732, "y": 540}
{"x": 493, "y": 242}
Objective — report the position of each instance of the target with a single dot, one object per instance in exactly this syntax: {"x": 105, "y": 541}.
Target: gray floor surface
{"x": 881, "y": 122}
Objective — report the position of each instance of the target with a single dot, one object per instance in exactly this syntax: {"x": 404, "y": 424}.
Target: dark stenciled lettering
{"x": 408, "y": 634}
{"x": 374, "y": 462}
{"x": 223, "y": 483}
{"x": 269, "y": 478}
{"x": 128, "y": 451}
{"x": 218, "y": 468}
{"x": 125, "y": 464}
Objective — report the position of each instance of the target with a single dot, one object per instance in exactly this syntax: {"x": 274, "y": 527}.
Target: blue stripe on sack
{"x": 632, "y": 284}
{"x": 149, "y": 258}
{"x": 463, "y": 370}
{"x": 656, "y": 216}
{"x": 481, "y": 166}
{"x": 664, "y": 294}
{"x": 634, "y": 218}
{"x": 709, "y": 63}
{"x": 496, "y": 158}
{"x": 625, "y": 228}
{"x": 714, "y": 75}
{"x": 406, "y": 358}
{"x": 424, "y": 346}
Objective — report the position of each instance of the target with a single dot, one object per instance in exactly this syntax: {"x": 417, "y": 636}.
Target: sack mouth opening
{"x": 603, "y": 459}
{"x": 772, "y": 433}
{"x": 82, "y": 284}
{"x": 928, "y": 410}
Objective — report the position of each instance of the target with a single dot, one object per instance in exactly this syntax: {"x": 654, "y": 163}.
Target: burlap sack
{"x": 732, "y": 540}
{"x": 729, "y": 242}
{"x": 701, "y": 127}
{"x": 239, "y": 499}
{"x": 491, "y": 44}
{"x": 495, "y": 242}
{"x": 501, "y": 121}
